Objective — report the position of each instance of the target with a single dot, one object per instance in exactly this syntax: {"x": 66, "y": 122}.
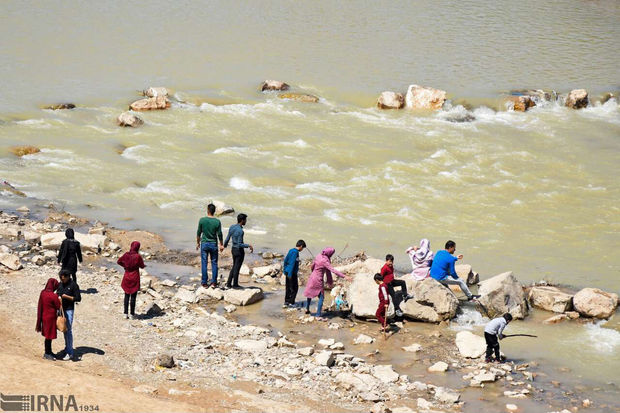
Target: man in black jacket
{"x": 69, "y": 291}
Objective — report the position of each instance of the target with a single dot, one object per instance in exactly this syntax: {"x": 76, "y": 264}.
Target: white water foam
{"x": 318, "y": 187}
{"x": 604, "y": 340}
{"x": 240, "y": 183}
{"x": 133, "y": 153}
{"x": 332, "y": 214}
{"x": 35, "y": 123}
{"x": 299, "y": 143}
{"x": 468, "y": 319}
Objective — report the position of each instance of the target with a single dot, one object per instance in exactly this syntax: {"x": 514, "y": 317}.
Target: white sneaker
{"x": 399, "y": 313}
{"x": 67, "y": 357}
{"x": 126, "y": 316}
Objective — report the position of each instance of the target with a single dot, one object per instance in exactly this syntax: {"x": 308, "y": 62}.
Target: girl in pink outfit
{"x": 421, "y": 259}
{"x": 321, "y": 266}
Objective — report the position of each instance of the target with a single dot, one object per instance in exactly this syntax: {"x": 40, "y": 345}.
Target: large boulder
{"x": 221, "y": 208}
{"x": 550, "y": 299}
{"x": 391, "y": 100}
{"x": 465, "y": 272}
{"x": 128, "y": 119}
{"x": 503, "y": 294}
{"x": 421, "y": 97}
{"x": 592, "y": 302}
{"x": 88, "y": 242}
{"x": 155, "y": 91}
{"x": 470, "y": 345}
{"x": 299, "y": 97}
{"x": 155, "y": 103}
{"x": 273, "y": 85}
{"x": 432, "y": 301}
{"x": 577, "y": 99}
{"x": 11, "y": 261}
{"x": 369, "y": 265}
{"x": 245, "y": 296}
{"x": 363, "y": 296}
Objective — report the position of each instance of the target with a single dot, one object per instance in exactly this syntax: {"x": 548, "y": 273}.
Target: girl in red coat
{"x": 132, "y": 262}
{"x": 47, "y": 312}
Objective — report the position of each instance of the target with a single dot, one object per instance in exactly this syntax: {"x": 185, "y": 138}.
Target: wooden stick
{"x": 520, "y": 335}
{"x": 385, "y": 322}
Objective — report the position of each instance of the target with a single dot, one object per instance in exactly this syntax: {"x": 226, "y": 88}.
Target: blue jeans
{"x": 69, "y": 333}
{"x": 206, "y": 249}
{"x": 319, "y": 305}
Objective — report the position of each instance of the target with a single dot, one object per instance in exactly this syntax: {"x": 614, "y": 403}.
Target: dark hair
{"x": 64, "y": 271}
{"x": 507, "y": 317}
{"x": 211, "y": 209}
{"x": 389, "y": 257}
{"x": 241, "y": 218}
{"x": 378, "y": 277}
{"x": 450, "y": 244}
{"x": 301, "y": 243}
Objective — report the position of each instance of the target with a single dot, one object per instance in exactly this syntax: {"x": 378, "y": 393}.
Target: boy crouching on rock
{"x": 384, "y": 301}
{"x": 492, "y": 332}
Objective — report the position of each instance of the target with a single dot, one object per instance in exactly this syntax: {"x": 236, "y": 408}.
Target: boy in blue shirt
{"x": 290, "y": 269}
{"x": 443, "y": 270}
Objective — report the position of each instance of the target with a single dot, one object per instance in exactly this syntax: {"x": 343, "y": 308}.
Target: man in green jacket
{"x": 207, "y": 237}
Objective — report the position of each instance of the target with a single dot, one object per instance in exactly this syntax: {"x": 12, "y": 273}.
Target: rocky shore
{"x": 187, "y": 339}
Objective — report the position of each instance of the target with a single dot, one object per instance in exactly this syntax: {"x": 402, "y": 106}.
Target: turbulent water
{"x": 535, "y": 192}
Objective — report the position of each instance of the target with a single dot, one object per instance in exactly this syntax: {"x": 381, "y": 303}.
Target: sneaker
{"x": 205, "y": 285}
{"x": 473, "y": 297}
{"x": 125, "y": 316}
{"x": 67, "y": 357}
{"x": 291, "y": 305}
{"x": 133, "y": 317}
{"x": 285, "y": 305}
{"x": 214, "y": 286}
{"x": 398, "y": 313}
{"x": 307, "y": 311}
{"x": 49, "y": 357}
{"x": 408, "y": 297}
{"x": 237, "y": 287}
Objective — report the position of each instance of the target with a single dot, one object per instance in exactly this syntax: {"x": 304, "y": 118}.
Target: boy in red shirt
{"x": 387, "y": 271}
{"x": 384, "y": 301}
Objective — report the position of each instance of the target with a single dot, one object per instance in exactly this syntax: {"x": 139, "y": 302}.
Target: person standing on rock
{"x": 47, "y": 312}
{"x": 494, "y": 331}
{"x": 421, "y": 259}
{"x": 132, "y": 262}
{"x": 322, "y": 266}
{"x": 291, "y": 267}
{"x": 235, "y": 232}
{"x": 442, "y": 269}
{"x": 387, "y": 272}
{"x": 70, "y": 253}
{"x": 207, "y": 237}
{"x": 69, "y": 293}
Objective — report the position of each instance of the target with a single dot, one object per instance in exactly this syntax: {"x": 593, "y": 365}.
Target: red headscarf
{"x": 52, "y": 285}
{"x": 132, "y": 262}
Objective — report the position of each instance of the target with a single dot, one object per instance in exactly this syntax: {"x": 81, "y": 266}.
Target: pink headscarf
{"x": 421, "y": 259}
{"x": 328, "y": 252}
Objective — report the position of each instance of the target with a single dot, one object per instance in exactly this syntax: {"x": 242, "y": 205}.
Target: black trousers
{"x": 131, "y": 297}
{"x": 492, "y": 345}
{"x": 397, "y": 298}
{"x": 292, "y": 285}
{"x": 233, "y": 278}
{"x": 48, "y": 346}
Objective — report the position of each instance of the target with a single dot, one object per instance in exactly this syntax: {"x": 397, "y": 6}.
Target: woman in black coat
{"x": 70, "y": 253}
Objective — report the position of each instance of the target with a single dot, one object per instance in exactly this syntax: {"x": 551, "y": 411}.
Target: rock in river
{"x": 470, "y": 345}
{"x": 129, "y": 119}
{"x": 550, "y": 299}
{"x": 421, "y": 97}
{"x": 503, "y": 294}
{"x": 245, "y": 296}
{"x": 24, "y": 150}
{"x": 592, "y": 302}
{"x": 273, "y": 85}
{"x": 577, "y": 99}
{"x": 363, "y": 298}
{"x": 155, "y": 91}
{"x": 391, "y": 100}
{"x": 299, "y": 97}
{"x": 155, "y": 103}
{"x": 432, "y": 301}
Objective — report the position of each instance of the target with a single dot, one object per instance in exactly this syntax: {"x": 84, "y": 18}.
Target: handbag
{"x": 61, "y": 322}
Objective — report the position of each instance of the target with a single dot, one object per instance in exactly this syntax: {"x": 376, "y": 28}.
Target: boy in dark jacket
{"x": 290, "y": 269}
{"x": 384, "y": 301}
{"x": 69, "y": 292}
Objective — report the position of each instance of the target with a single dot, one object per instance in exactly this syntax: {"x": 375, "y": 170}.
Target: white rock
{"x": 326, "y": 342}
{"x": 252, "y": 346}
{"x": 362, "y": 382}
{"x": 155, "y": 91}
{"x": 385, "y": 373}
{"x": 512, "y": 407}
{"x": 470, "y": 345}
{"x": 244, "y": 296}
{"x": 129, "y": 119}
{"x": 577, "y": 99}
{"x": 305, "y": 351}
{"x": 421, "y": 97}
{"x": 363, "y": 339}
{"x": 550, "y": 299}
{"x": 414, "y": 348}
{"x": 168, "y": 283}
{"x": 391, "y": 100}
{"x": 267, "y": 270}
{"x": 11, "y": 261}
{"x": 485, "y": 377}
{"x": 325, "y": 358}
{"x": 503, "y": 294}
{"x": 363, "y": 298}
{"x": 447, "y": 396}
{"x": 230, "y": 308}
{"x": 424, "y": 404}
{"x": 592, "y": 302}
{"x": 337, "y": 346}
{"x": 185, "y": 295}
{"x": 88, "y": 242}
{"x": 38, "y": 260}
{"x": 438, "y": 367}
{"x": 244, "y": 270}
{"x": 214, "y": 293}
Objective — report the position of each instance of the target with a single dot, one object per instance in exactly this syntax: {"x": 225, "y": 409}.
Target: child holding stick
{"x": 384, "y": 301}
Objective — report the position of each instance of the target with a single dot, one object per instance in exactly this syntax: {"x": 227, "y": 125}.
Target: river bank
{"x": 274, "y": 353}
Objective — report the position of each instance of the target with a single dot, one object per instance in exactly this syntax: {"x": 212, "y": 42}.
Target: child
{"x": 387, "y": 271}
{"x": 384, "y": 301}
{"x": 494, "y": 331}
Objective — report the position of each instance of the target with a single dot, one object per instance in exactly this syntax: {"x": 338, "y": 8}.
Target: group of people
{"x": 60, "y": 296}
